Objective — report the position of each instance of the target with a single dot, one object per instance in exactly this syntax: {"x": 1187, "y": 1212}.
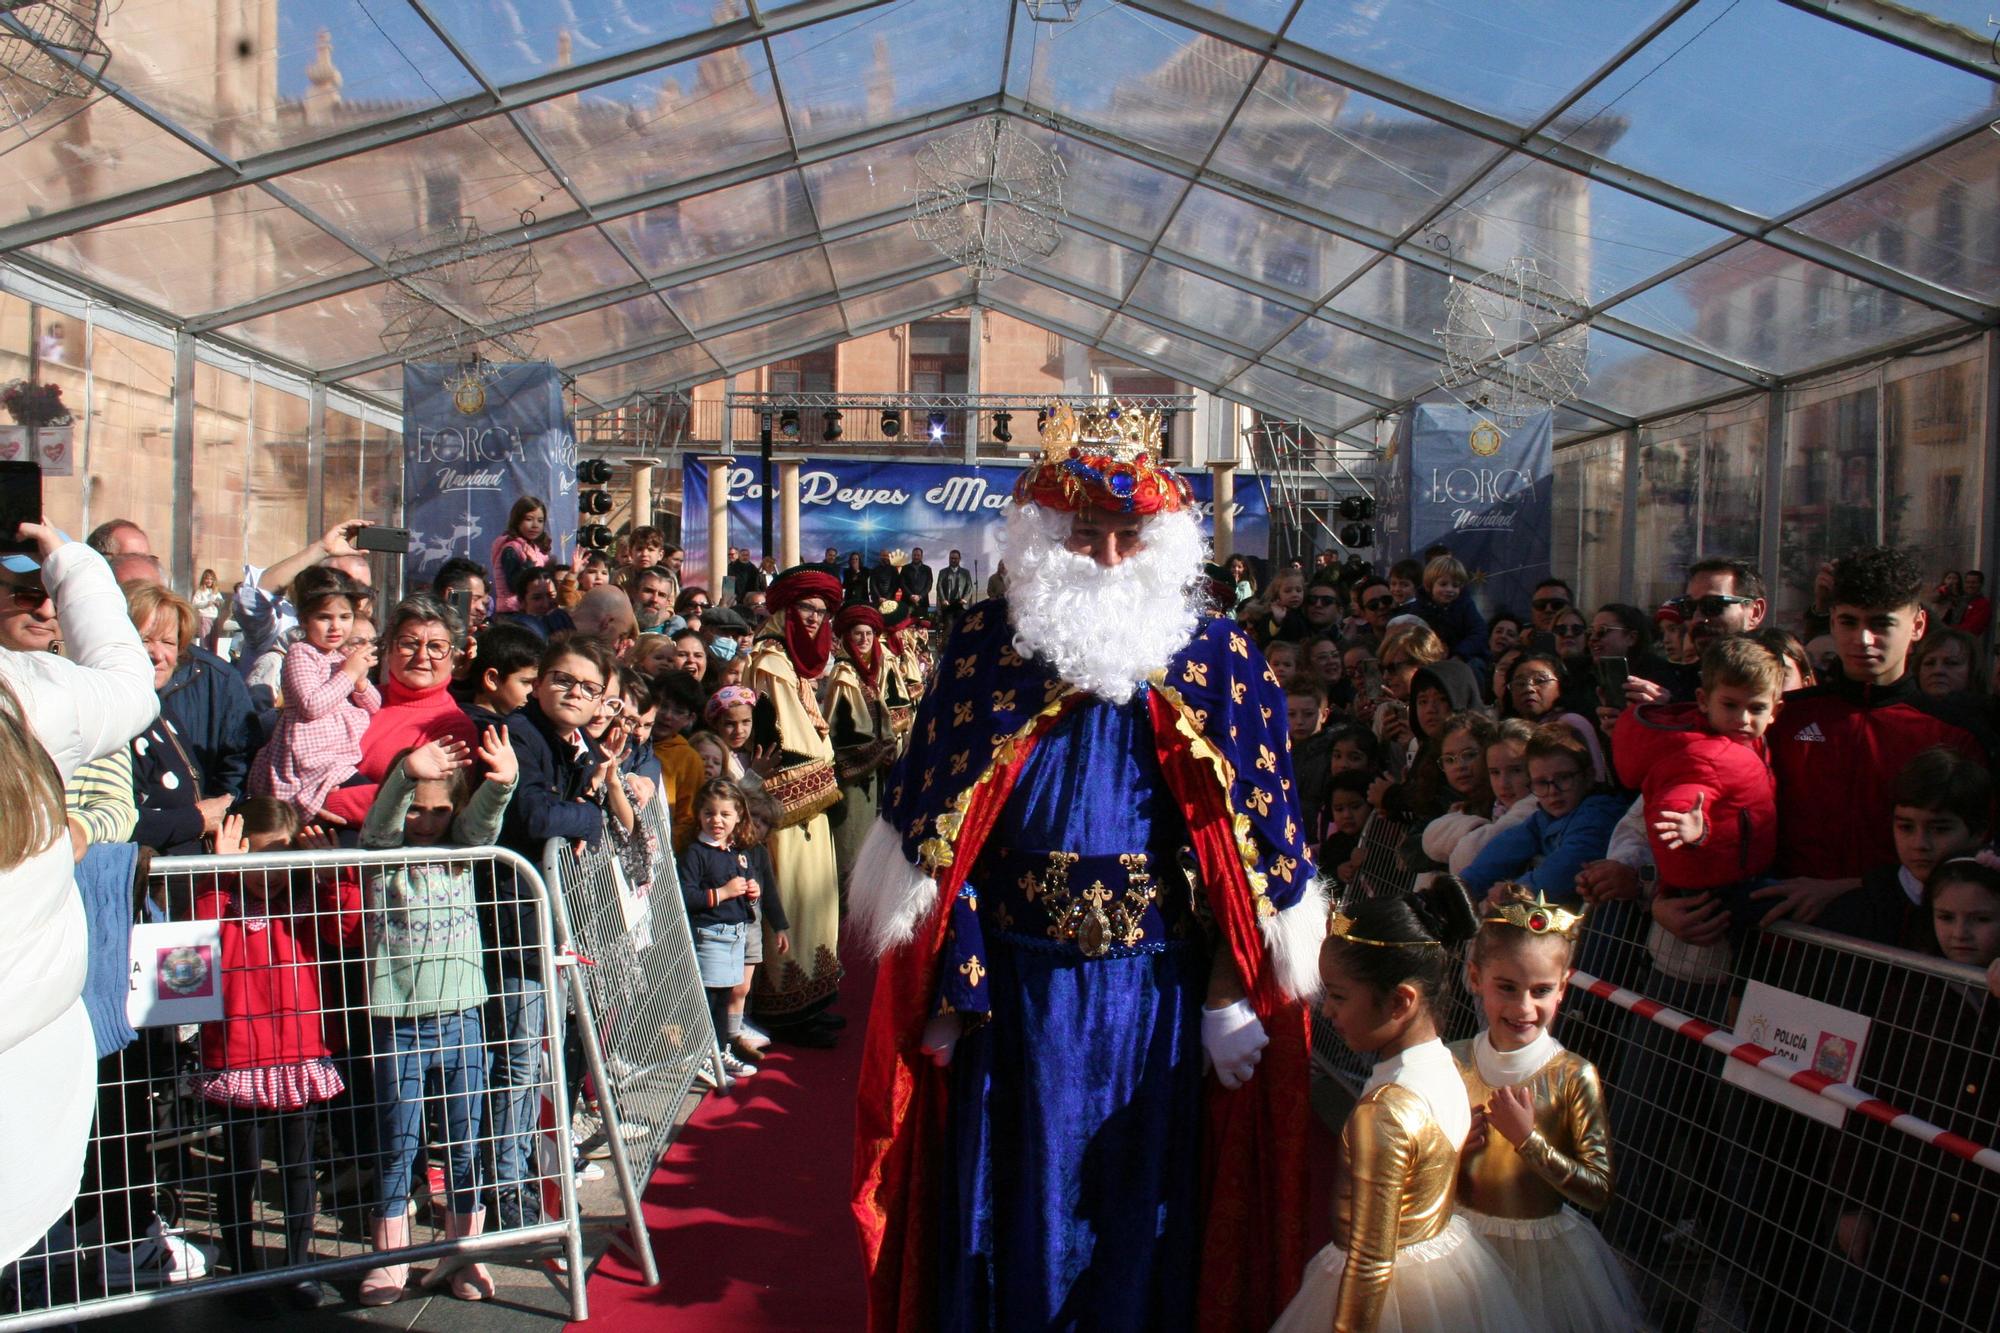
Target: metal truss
{"x": 952, "y": 402}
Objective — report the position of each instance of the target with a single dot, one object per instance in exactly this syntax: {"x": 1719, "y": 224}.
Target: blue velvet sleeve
{"x": 962, "y": 966}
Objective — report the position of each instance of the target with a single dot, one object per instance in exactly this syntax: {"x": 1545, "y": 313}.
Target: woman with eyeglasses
{"x": 1571, "y": 828}
{"x": 417, "y": 654}
{"x": 1536, "y": 687}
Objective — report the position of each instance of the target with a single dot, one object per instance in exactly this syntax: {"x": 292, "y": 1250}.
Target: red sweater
{"x": 1668, "y": 753}
{"x": 408, "y": 718}
{"x": 271, "y": 1012}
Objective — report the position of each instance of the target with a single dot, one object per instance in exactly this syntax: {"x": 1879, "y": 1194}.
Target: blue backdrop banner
{"x": 858, "y": 505}
{"x": 470, "y": 452}
{"x": 1487, "y": 493}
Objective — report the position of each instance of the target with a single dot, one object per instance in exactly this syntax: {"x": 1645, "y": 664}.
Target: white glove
{"x": 940, "y": 1035}
{"x": 1234, "y": 1041}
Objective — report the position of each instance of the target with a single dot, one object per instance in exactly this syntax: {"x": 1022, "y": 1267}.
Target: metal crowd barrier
{"x": 1859, "y": 1192}
{"x": 198, "y": 1183}
{"x": 643, "y": 1022}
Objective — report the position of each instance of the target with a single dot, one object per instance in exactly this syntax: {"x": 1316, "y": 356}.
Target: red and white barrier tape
{"x": 1759, "y": 1057}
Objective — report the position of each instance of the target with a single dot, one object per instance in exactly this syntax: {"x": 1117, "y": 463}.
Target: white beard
{"x": 1102, "y": 630}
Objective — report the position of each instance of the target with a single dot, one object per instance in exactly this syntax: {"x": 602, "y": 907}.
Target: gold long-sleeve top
{"x": 1394, "y": 1189}
{"x": 1566, "y": 1157}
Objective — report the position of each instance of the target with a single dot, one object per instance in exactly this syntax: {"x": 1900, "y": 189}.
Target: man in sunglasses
{"x": 1723, "y": 597}
{"x": 1323, "y": 602}
{"x": 1378, "y": 606}
{"x": 1552, "y": 598}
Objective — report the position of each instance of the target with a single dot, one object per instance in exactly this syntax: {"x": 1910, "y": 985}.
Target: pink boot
{"x": 469, "y": 1280}
{"x": 384, "y": 1285}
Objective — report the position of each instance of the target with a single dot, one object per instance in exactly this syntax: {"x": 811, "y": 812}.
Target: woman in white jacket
{"x": 56, "y": 715}
{"x": 1457, "y": 837}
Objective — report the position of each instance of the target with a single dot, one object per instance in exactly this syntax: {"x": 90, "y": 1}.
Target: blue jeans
{"x": 406, "y": 1051}
{"x": 519, "y": 1017}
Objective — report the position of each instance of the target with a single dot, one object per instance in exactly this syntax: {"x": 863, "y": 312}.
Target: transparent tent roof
{"x": 1266, "y": 198}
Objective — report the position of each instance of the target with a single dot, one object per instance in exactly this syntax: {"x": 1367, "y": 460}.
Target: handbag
{"x": 802, "y": 790}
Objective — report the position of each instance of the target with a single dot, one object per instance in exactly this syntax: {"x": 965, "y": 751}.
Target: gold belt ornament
{"x": 1095, "y": 919}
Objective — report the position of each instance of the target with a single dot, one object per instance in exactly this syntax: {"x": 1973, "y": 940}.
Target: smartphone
{"x": 20, "y": 502}
{"x": 461, "y": 602}
{"x": 1371, "y": 678}
{"x": 390, "y": 541}
{"x": 1611, "y": 675}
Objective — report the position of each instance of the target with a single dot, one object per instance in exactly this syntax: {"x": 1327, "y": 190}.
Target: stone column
{"x": 642, "y": 490}
{"x": 1224, "y": 473}
{"x": 788, "y": 513}
{"x": 718, "y": 519}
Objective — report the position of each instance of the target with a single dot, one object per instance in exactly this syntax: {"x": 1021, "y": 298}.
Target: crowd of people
{"x": 507, "y": 703}
{"x": 1456, "y": 776}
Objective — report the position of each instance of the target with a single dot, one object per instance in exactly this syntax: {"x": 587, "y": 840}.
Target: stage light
{"x": 593, "y": 502}
{"x": 1357, "y": 535}
{"x": 1001, "y": 431}
{"x": 832, "y": 431}
{"x": 1360, "y": 507}
{"x": 594, "y": 537}
{"x": 1041, "y": 421}
{"x": 593, "y": 472}
{"x": 892, "y": 424}
{"x": 788, "y": 424}
{"x": 937, "y": 426}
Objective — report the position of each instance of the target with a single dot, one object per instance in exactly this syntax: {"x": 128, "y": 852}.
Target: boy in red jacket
{"x": 1711, "y": 802}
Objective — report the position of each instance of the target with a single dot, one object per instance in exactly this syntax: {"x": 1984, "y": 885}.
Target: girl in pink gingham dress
{"x": 266, "y": 1066}
{"x": 328, "y": 704}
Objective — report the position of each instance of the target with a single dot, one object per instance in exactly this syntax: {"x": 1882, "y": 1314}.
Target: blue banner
{"x": 1456, "y": 478}
{"x": 474, "y": 447}
{"x": 857, "y": 505}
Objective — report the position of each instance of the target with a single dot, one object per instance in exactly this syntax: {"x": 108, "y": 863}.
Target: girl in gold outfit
{"x": 1540, "y": 1146}
{"x": 1400, "y": 1261}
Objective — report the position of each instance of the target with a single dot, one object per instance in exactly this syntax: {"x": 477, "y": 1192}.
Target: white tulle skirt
{"x": 1565, "y": 1273}
{"x": 1452, "y": 1282}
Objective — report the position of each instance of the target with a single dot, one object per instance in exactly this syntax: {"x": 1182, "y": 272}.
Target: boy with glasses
{"x": 1572, "y": 827}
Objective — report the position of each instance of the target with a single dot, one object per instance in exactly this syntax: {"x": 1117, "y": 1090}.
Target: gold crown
{"x": 1118, "y": 431}
{"x": 1540, "y": 917}
{"x": 1343, "y": 928}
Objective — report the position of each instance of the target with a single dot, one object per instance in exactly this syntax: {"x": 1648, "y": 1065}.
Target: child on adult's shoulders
{"x": 1710, "y": 799}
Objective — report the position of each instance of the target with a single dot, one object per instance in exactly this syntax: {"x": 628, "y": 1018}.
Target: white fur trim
{"x": 886, "y": 895}
{"x": 1294, "y": 936}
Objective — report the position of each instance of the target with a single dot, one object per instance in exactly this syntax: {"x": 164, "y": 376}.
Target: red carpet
{"x": 748, "y": 1213}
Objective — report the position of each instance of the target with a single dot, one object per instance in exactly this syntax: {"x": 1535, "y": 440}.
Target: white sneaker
{"x": 587, "y": 1129}
{"x": 163, "y": 1257}
{"x": 704, "y": 1075}
{"x": 736, "y": 1067}
{"x": 588, "y": 1170}
{"x": 753, "y": 1037}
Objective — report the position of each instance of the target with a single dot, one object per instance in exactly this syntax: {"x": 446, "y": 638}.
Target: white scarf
{"x": 1510, "y": 1069}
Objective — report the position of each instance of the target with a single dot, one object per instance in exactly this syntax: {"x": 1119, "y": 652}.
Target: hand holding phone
{"x": 1611, "y": 675}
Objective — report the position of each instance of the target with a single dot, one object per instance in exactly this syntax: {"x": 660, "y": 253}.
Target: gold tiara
{"x": 1540, "y": 917}
{"x": 1343, "y": 928}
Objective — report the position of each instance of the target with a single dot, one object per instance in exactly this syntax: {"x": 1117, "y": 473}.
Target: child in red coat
{"x": 1711, "y": 800}
{"x": 266, "y": 1063}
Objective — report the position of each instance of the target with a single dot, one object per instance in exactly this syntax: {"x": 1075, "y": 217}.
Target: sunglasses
{"x": 1324, "y": 601}
{"x": 1550, "y": 603}
{"x": 1572, "y": 630}
{"x": 1711, "y": 604}
{"x": 1379, "y": 603}
{"x": 27, "y": 599}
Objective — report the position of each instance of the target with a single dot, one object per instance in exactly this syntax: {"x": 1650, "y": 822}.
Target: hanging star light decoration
{"x": 458, "y": 295}
{"x": 1515, "y": 342}
{"x": 990, "y": 198}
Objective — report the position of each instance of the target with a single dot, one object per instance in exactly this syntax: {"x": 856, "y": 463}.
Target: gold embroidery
{"x": 961, "y": 713}
{"x": 972, "y": 970}
{"x": 1239, "y": 645}
{"x": 1050, "y": 691}
{"x": 1272, "y": 677}
{"x": 1283, "y": 866}
{"x": 977, "y": 620}
{"x": 930, "y": 731}
{"x": 1225, "y": 775}
{"x": 1259, "y": 800}
{"x": 1291, "y": 829}
{"x": 1010, "y": 656}
{"x": 1003, "y": 701}
{"x": 1095, "y": 920}
{"x": 1267, "y": 759}
{"x": 1238, "y": 691}
{"x": 938, "y": 852}
{"x": 1195, "y": 673}
{"x": 959, "y": 761}
{"x": 930, "y": 776}
{"x": 966, "y": 665}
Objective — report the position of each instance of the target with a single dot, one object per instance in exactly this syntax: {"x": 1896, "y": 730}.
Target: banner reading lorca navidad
{"x": 473, "y": 443}
{"x": 1487, "y": 493}
{"x": 853, "y": 504}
